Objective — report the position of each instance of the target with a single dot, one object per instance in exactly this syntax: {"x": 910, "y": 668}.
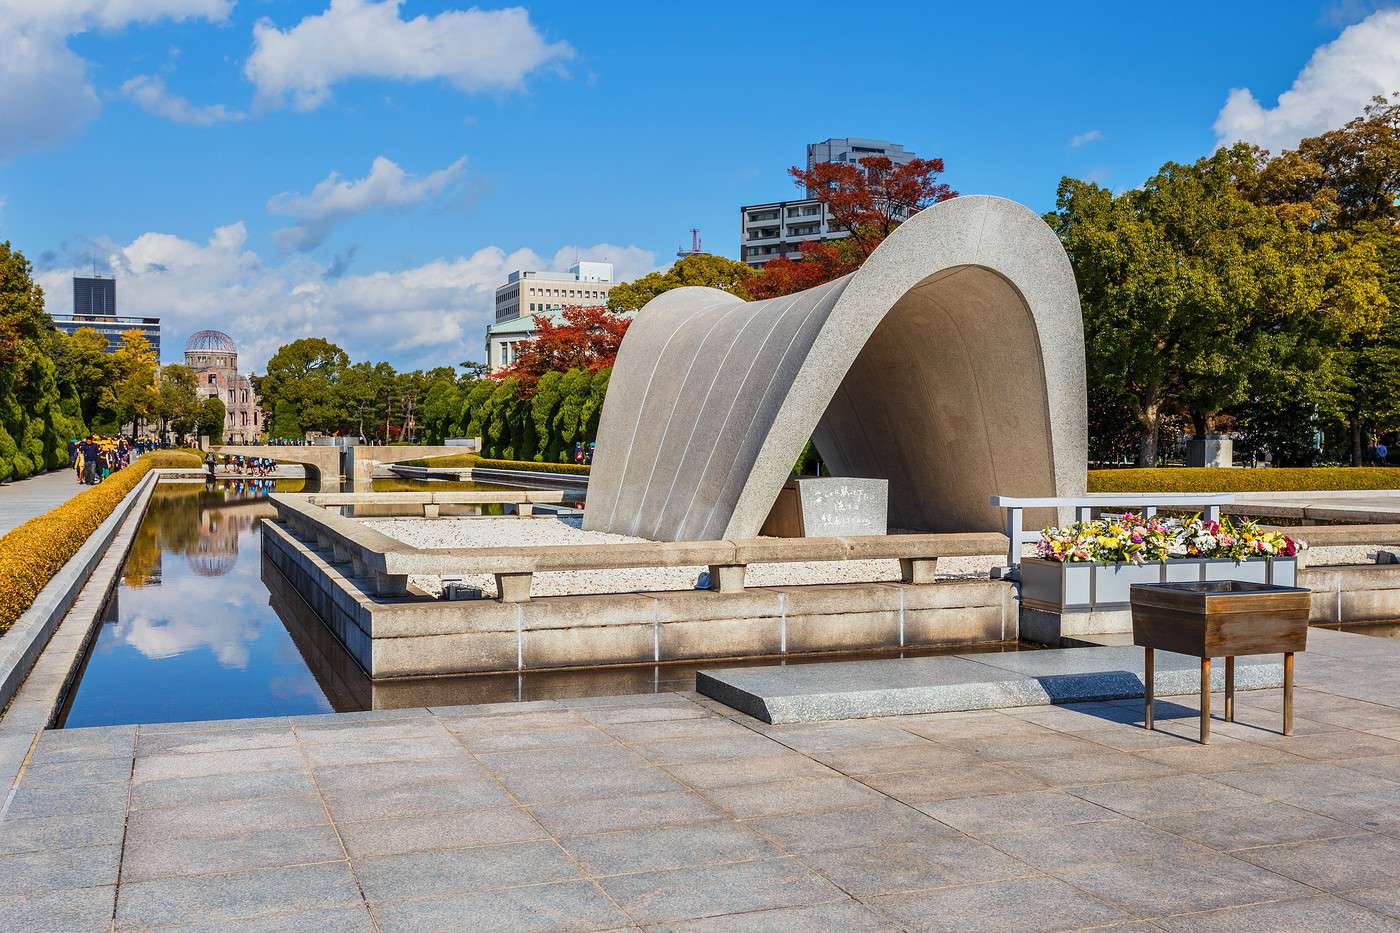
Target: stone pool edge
{"x": 53, "y": 634}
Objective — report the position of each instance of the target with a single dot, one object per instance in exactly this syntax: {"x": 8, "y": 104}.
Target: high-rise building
{"x": 852, "y": 149}
{"x": 780, "y": 228}
{"x": 94, "y": 295}
{"x": 95, "y": 308}
{"x": 526, "y": 294}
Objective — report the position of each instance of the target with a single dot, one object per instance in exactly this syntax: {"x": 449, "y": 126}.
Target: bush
{"x": 474, "y": 460}
{"x": 1219, "y": 479}
{"x": 450, "y": 460}
{"x": 31, "y": 554}
{"x": 576, "y": 469}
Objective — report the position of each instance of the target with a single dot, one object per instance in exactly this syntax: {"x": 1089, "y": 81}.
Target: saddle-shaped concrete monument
{"x": 951, "y": 364}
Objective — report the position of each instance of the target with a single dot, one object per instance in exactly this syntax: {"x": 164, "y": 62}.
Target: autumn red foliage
{"x": 585, "y": 338}
{"x": 867, "y": 200}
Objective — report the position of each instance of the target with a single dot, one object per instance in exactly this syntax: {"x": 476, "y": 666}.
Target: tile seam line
{"x": 584, "y": 874}
{"x": 900, "y": 803}
{"x": 335, "y": 828}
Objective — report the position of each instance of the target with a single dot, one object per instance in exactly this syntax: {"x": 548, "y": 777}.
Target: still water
{"x": 201, "y": 627}
{"x": 189, "y": 633}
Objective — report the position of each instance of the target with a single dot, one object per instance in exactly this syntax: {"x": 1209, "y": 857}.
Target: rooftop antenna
{"x": 695, "y": 250}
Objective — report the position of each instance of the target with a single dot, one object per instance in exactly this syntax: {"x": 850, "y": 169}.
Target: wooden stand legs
{"x": 1149, "y": 678}
{"x": 1230, "y": 689}
{"x": 1149, "y": 683}
{"x": 1288, "y": 693}
{"x": 1205, "y": 701}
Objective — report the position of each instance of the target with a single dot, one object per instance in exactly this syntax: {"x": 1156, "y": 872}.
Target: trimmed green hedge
{"x": 571, "y": 468}
{"x": 1243, "y": 479}
{"x": 450, "y": 460}
{"x": 473, "y": 460}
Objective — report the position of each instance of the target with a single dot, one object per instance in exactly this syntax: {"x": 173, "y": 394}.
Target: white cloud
{"x": 1079, "y": 139}
{"x": 336, "y": 199}
{"x": 149, "y": 92}
{"x": 1334, "y": 86}
{"x": 45, "y": 94}
{"x": 473, "y": 49}
{"x": 629, "y": 262}
{"x": 428, "y": 315}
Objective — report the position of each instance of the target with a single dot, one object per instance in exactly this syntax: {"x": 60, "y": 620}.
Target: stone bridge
{"x": 323, "y": 462}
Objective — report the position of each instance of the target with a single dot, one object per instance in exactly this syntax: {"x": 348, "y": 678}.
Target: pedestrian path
{"x": 25, "y": 498}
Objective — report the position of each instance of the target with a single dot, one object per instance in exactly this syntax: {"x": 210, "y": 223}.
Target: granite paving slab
{"x": 906, "y": 686}
{"x": 1050, "y": 817}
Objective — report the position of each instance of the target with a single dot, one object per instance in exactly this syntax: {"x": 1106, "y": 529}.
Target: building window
{"x": 212, "y": 379}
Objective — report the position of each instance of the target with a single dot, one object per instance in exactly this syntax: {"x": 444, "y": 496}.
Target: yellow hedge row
{"x": 1271, "y": 479}
{"x": 31, "y": 554}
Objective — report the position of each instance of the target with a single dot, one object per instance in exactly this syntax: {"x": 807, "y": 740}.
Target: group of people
{"x": 242, "y": 465}
{"x": 94, "y": 458}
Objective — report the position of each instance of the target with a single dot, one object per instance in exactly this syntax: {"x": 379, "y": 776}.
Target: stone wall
{"x": 415, "y": 636}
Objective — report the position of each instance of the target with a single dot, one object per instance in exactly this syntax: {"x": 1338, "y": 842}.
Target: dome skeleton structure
{"x": 210, "y": 341}
{"x": 213, "y": 355}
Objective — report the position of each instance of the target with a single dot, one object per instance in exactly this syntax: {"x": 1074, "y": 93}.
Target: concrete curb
{"x": 21, "y": 646}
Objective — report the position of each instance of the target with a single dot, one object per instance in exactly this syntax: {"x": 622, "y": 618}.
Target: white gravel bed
{"x": 526, "y": 532}
{"x": 1332, "y": 556}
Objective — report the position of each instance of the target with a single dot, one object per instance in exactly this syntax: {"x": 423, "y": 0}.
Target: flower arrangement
{"x": 1133, "y": 539}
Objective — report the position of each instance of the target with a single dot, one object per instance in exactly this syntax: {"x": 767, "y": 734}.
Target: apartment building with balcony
{"x": 780, "y": 228}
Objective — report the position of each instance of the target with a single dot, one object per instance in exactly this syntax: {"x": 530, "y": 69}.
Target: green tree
{"x": 34, "y": 423}
{"x": 1191, "y": 290}
{"x": 442, "y": 407}
{"x": 177, "y": 399}
{"x": 703, "y": 269}
{"x": 88, "y": 367}
{"x": 1345, "y": 184}
{"x": 305, "y": 374}
{"x": 135, "y": 392}
{"x": 212, "y": 414}
{"x": 284, "y": 423}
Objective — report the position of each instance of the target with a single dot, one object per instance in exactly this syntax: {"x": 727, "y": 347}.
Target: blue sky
{"x": 281, "y": 169}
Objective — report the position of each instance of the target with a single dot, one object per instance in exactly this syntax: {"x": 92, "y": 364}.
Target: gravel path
{"x": 525, "y": 532}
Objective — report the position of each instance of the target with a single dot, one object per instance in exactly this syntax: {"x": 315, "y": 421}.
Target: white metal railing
{"x": 1148, "y": 503}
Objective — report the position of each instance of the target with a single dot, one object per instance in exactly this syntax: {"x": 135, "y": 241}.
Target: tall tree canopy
{"x": 710, "y": 271}
{"x": 1244, "y": 284}
{"x": 39, "y": 409}
{"x": 586, "y": 339}
{"x": 867, "y": 200}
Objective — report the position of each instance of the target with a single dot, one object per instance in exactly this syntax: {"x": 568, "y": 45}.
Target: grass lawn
{"x": 451, "y": 460}
{"x": 1243, "y": 479}
{"x": 472, "y": 460}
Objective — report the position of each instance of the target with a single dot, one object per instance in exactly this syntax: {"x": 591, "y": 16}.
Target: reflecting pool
{"x": 189, "y": 633}
{"x": 201, "y": 627}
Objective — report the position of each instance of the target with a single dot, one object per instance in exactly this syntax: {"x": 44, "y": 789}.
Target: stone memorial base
{"x": 829, "y": 507}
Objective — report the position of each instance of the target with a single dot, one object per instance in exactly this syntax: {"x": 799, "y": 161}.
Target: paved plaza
{"x": 670, "y": 811}
{"x": 25, "y": 498}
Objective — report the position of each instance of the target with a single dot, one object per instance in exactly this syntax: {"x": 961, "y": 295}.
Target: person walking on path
{"x": 91, "y": 452}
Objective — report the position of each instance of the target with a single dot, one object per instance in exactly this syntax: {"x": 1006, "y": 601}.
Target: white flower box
{"x": 1057, "y": 586}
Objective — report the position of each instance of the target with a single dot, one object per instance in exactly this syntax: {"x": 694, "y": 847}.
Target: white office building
{"x": 526, "y": 294}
